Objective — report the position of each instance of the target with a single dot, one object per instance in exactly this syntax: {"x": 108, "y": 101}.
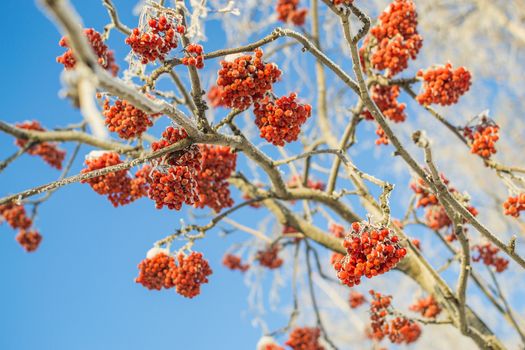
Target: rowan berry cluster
{"x": 215, "y": 97}
{"x": 427, "y": 307}
{"x": 399, "y": 330}
{"x": 443, "y": 85}
{"x": 245, "y": 79}
{"x": 156, "y": 39}
{"x": 49, "y": 152}
{"x": 118, "y": 186}
{"x": 269, "y": 257}
{"x": 194, "y": 56}
{"x": 218, "y": 163}
{"x": 371, "y": 251}
{"x": 15, "y": 215}
{"x": 488, "y": 254}
{"x": 305, "y": 338}
{"x": 356, "y": 299}
{"x": 288, "y": 11}
{"x": 482, "y": 137}
{"x": 514, "y": 205}
{"x": 395, "y": 39}
{"x": 187, "y": 273}
{"x": 105, "y": 56}
{"x": 385, "y": 98}
{"x": 280, "y": 120}
{"x": 233, "y": 262}
{"x": 125, "y": 119}
{"x": 192, "y": 271}
{"x": 29, "y": 239}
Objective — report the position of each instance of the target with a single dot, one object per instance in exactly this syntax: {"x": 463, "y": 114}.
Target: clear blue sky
{"x": 77, "y": 291}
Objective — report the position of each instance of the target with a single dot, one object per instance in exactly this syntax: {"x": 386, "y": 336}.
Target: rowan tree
{"x": 283, "y": 124}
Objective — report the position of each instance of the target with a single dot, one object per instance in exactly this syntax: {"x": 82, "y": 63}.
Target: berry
{"x": 245, "y": 79}
{"x": 49, "y": 152}
{"x": 154, "y": 272}
{"x": 514, "y": 205}
{"x": 125, "y": 119}
{"x": 15, "y": 216}
{"x": 417, "y": 243}
{"x": 218, "y": 162}
{"x": 115, "y": 185}
{"x": 155, "y": 40}
{"x": 356, "y": 299}
{"x": 192, "y": 271}
{"x": 280, "y": 120}
{"x": 305, "y": 338}
{"x": 29, "y": 240}
{"x": 443, "y": 85}
{"x": 385, "y": 98}
{"x": 371, "y": 251}
{"x": 106, "y": 57}
{"x": 488, "y": 254}
{"x": 287, "y": 11}
{"x": 234, "y": 262}
{"x": 427, "y": 307}
{"x": 194, "y": 56}
{"x": 269, "y": 257}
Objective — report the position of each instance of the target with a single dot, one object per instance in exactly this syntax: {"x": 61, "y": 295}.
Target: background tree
{"x": 280, "y": 124}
